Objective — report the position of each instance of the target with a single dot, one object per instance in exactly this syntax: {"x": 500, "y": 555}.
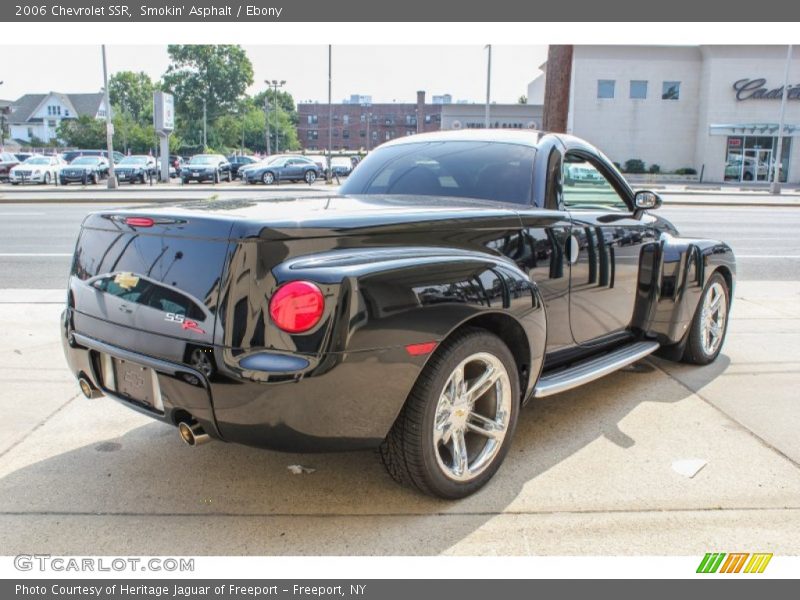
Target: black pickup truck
{"x": 455, "y": 277}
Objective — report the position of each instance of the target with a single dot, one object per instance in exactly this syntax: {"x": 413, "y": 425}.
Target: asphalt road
{"x": 36, "y": 240}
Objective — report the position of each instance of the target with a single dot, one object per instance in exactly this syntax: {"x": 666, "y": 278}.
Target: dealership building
{"x": 713, "y": 109}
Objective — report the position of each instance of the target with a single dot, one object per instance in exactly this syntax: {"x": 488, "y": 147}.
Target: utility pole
{"x": 488, "y": 86}
{"x": 558, "y": 75}
{"x": 775, "y": 187}
{"x": 112, "y": 177}
{"x": 2, "y": 126}
{"x": 330, "y": 111}
{"x": 205, "y": 126}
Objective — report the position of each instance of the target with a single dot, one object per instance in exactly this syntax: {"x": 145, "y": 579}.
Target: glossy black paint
{"x": 394, "y": 271}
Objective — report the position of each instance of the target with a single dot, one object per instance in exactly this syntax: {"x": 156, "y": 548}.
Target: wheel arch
{"x": 511, "y": 333}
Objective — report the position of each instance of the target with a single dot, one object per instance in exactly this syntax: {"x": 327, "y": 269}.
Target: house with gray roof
{"x": 37, "y": 116}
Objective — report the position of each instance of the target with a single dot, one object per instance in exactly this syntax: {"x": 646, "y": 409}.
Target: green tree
{"x": 132, "y": 93}
{"x": 83, "y": 132}
{"x": 216, "y": 74}
{"x": 522, "y": 99}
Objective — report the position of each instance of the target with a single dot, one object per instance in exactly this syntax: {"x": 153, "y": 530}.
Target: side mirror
{"x": 646, "y": 200}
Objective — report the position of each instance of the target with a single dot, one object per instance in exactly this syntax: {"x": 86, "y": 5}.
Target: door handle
{"x": 573, "y": 249}
{"x": 124, "y": 308}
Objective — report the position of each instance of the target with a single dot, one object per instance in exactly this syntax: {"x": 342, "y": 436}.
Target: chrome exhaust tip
{"x": 87, "y": 389}
{"x": 193, "y": 434}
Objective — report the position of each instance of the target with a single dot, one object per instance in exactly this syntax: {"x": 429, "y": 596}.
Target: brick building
{"x": 364, "y": 126}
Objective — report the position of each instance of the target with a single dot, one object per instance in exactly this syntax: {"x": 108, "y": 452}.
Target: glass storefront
{"x": 753, "y": 158}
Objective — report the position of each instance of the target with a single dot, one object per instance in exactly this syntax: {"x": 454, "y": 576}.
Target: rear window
{"x": 140, "y": 290}
{"x": 485, "y": 170}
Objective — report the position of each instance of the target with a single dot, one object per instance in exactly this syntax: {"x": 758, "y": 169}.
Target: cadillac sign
{"x": 756, "y": 89}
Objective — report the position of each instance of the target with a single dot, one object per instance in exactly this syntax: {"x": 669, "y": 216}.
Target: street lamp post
{"x": 266, "y": 123}
{"x": 205, "y": 126}
{"x": 369, "y": 118}
{"x": 275, "y": 84}
{"x": 775, "y": 187}
{"x": 112, "y": 176}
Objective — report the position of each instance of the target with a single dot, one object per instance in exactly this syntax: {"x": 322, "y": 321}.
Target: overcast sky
{"x": 387, "y": 73}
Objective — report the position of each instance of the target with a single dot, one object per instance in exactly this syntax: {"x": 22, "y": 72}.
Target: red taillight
{"x": 297, "y": 306}
{"x": 139, "y": 221}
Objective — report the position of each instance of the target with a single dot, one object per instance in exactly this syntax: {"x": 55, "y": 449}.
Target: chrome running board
{"x": 593, "y": 368}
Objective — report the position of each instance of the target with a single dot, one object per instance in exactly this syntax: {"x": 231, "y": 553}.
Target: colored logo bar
{"x": 734, "y": 562}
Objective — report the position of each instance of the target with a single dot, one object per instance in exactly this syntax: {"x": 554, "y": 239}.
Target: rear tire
{"x": 448, "y": 442}
{"x": 310, "y": 177}
{"x": 710, "y": 323}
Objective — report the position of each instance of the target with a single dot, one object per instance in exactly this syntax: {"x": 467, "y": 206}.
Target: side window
{"x": 585, "y": 186}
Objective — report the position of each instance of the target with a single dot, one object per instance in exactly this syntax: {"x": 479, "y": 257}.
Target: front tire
{"x": 710, "y": 323}
{"x": 268, "y": 178}
{"x": 46, "y": 179}
{"x": 457, "y": 424}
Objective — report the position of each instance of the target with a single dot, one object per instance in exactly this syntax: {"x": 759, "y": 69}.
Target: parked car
{"x": 139, "y": 168}
{"x": 240, "y": 160}
{"x": 451, "y": 281}
{"x": 37, "y": 169}
{"x": 752, "y": 170}
{"x": 84, "y": 169}
{"x": 7, "y": 162}
{"x": 207, "y": 167}
{"x": 284, "y": 168}
{"x": 574, "y": 174}
{"x": 341, "y": 166}
{"x": 70, "y": 155}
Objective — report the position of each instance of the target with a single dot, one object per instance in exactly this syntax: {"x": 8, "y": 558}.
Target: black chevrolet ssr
{"x": 455, "y": 277}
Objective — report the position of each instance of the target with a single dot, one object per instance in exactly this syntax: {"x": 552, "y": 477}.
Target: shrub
{"x": 634, "y": 165}
{"x": 686, "y": 171}
{"x": 654, "y": 169}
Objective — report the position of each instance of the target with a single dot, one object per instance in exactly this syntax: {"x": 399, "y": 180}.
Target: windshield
{"x": 203, "y": 160}
{"x": 38, "y": 160}
{"x": 133, "y": 160}
{"x": 86, "y": 160}
{"x": 485, "y": 170}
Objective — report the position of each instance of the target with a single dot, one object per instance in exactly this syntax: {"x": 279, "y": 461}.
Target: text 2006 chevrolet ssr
{"x": 455, "y": 277}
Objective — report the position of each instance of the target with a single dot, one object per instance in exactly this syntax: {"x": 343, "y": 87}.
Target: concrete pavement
{"x": 590, "y": 471}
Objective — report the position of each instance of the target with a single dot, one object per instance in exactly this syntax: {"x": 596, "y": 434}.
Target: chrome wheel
{"x": 268, "y": 178}
{"x": 713, "y": 317}
{"x": 472, "y": 416}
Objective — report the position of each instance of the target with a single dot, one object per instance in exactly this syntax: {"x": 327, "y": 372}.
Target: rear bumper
{"x": 200, "y": 177}
{"x": 183, "y": 391}
{"x": 342, "y": 401}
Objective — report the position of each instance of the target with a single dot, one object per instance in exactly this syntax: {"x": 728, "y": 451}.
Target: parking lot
{"x": 591, "y": 471}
